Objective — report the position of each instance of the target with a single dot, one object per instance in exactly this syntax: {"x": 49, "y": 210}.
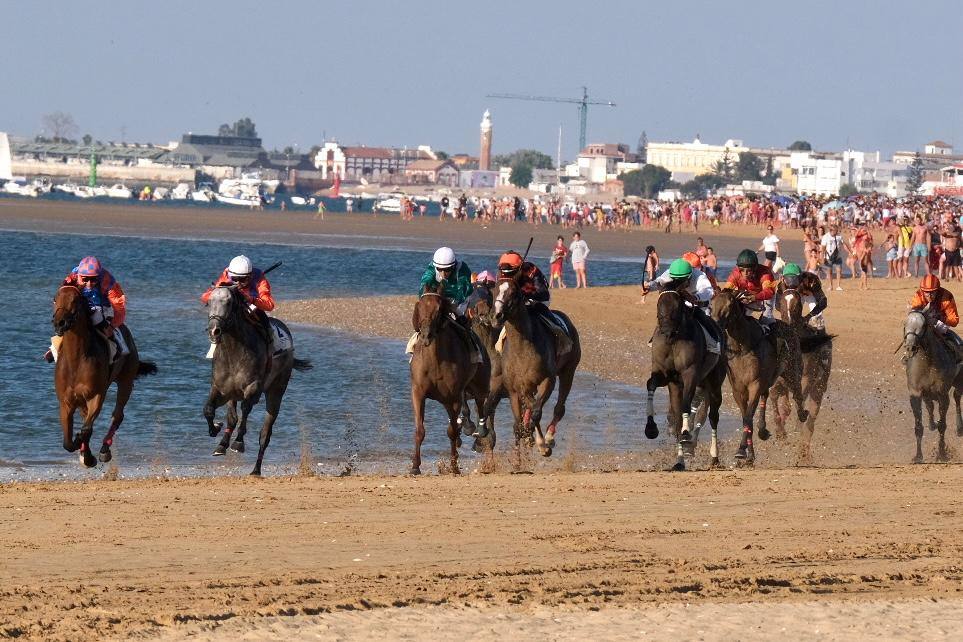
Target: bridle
{"x": 69, "y": 317}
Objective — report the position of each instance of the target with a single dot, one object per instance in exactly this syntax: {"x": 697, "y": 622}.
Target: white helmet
{"x": 444, "y": 258}
{"x": 240, "y": 266}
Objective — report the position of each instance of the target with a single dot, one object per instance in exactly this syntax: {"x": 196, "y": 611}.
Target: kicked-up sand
{"x": 864, "y": 546}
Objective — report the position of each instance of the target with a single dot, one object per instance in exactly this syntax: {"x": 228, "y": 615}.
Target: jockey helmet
{"x": 485, "y": 277}
{"x": 930, "y": 283}
{"x": 509, "y": 263}
{"x": 680, "y": 269}
{"x": 791, "y": 269}
{"x": 692, "y": 259}
{"x": 240, "y": 266}
{"x": 89, "y": 266}
{"x": 747, "y": 259}
{"x": 444, "y": 258}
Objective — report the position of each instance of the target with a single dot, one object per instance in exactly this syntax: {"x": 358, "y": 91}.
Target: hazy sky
{"x": 876, "y": 74}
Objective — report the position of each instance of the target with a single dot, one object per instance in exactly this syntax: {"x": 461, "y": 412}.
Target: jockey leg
{"x": 118, "y": 338}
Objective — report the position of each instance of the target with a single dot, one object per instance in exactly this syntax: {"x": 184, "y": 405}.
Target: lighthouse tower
{"x": 485, "y": 157}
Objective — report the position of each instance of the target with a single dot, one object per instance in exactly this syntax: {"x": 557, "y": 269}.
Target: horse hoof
{"x": 87, "y": 459}
{"x": 255, "y": 473}
{"x": 237, "y": 446}
{"x": 679, "y": 467}
{"x": 468, "y": 428}
{"x": 918, "y": 459}
{"x": 685, "y": 437}
{"x": 220, "y": 450}
{"x": 764, "y": 433}
{"x": 651, "y": 429}
{"x": 215, "y": 429}
{"x": 546, "y": 451}
{"x": 415, "y": 470}
{"x": 688, "y": 448}
{"x": 741, "y": 454}
{"x": 714, "y": 463}
{"x": 550, "y": 440}
{"x": 105, "y": 455}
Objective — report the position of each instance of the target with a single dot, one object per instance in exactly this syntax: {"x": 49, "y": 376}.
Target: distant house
{"x": 374, "y": 164}
{"x": 436, "y": 172}
{"x": 218, "y": 156}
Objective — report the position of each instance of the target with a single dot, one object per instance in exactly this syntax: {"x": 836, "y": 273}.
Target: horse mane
{"x": 439, "y": 292}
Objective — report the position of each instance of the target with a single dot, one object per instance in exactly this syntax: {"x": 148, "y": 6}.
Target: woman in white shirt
{"x": 770, "y": 245}
{"x": 580, "y": 251}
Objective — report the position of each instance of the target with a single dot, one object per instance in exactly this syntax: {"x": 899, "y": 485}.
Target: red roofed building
{"x": 373, "y": 164}
{"x": 439, "y": 172}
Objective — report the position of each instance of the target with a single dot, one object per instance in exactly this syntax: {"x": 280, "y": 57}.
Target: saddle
{"x": 556, "y": 324}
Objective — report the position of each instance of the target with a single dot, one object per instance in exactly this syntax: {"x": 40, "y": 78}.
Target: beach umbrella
{"x": 782, "y": 199}
{"x": 831, "y": 205}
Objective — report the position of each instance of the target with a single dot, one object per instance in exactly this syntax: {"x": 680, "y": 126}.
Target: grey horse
{"x": 242, "y": 370}
{"x": 932, "y": 370}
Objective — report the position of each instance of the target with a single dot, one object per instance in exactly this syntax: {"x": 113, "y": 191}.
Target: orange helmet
{"x": 692, "y": 259}
{"x": 509, "y": 262}
{"x": 930, "y": 283}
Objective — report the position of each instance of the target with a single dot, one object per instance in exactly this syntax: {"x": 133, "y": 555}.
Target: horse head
{"x": 224, "y": 305}
{"x": 507, "y": 300}
{"x": 481, "y": 303}
{"x": 668, "y": 313}
{"x": 913, "y": 331}
{"x": 69, "y": 309}
{"x": 791, "y": 306}
{"x": 430, "y": 311}
{"x": 724, "y": 306}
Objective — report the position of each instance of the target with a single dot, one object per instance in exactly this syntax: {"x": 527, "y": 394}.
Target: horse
{"x": 242, "y": 370}
{"x": 816, "y": 350}
{"x": 442, "y": 369}
{"x": 682, "y": 361}
{"x": 932, "y": 369}
{"x": 531, "y": 366}
{"x": 83, "y": 373}
{"x": 751, "y": 364}
{"x": 480, "y": 313}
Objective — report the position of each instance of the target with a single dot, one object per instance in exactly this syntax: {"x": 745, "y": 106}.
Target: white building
{"x": 868, "y": 173}
{"x": 374, "y": 164}
{"x": 687, "y": 160}
{"x": 603, "y": 162}
{"x": 816, "y": 176}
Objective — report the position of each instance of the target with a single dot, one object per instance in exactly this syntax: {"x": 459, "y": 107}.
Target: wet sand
{"x": 863, "y": 546}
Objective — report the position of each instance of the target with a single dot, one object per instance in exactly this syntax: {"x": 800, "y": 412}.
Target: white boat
{"x": 82, "y": 191}
{"x": 160, "y": 193}
{"x": 388, "y": 204}
{"x": 21, "y": 188}
{"x": 203, "y": 194}
{"x": 119, "y": 191}
{"x": 246, "y": 192}
{"x": 239, "y": 199}
{"x": 66, "y": 188}
{"x": 181, "y": 192}
{"x": 299, "y": 200}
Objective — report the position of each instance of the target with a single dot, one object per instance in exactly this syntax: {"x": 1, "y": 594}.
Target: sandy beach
{"x": 864, "y": 545}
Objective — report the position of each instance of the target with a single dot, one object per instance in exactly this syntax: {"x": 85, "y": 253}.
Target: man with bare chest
{"x": 951, "y": 249}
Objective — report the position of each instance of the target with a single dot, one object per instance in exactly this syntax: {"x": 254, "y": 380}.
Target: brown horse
{"x": 480, "y": 313}
{"x": 531, "y": 366}
{"x": 83, "y": 374}
{"x": 752, "y": 365}
{"x": 816, "y": 351}
{"x": 442, "y": 369}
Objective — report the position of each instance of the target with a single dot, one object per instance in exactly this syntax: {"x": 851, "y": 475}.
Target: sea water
{"x": 351, "y": 412}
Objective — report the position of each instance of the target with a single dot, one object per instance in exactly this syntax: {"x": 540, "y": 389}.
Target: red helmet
{"x": 930, "y": 283}
{"x": 89, "y": 266}
{"x": 692, "y": 259}
{"x": 509, "y": 263}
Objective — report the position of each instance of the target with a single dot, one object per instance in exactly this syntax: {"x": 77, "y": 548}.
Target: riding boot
{"x": 118, "y": 337}
{"x": 472, "y": 343}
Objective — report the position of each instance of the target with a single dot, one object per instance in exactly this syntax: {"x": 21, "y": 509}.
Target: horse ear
{"x": 440, "y": 289}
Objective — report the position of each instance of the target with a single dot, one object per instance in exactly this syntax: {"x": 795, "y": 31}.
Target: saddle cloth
{"x": 557, "y": 323}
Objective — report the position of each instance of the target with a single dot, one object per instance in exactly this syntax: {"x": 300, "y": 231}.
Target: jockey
{"x": 939, "y": 301}
{"x": 694, "y": 286}
{"x": 454, "y": 277}
{"x": 253, "y": 285}
{"x": 756, "y": 281}
{"x": 809, "y": 287}
{"x": 106, "y": 300}
{"x": 534, "y": 289}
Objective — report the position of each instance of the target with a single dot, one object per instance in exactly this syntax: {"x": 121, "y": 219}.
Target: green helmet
{"x": 791, "y": 269}
{"x": 680, "y": 269}
{"x": 747, "y": 259}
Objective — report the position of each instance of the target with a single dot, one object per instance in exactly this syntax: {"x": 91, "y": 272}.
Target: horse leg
{"x": 247, "y": 405}
{"x": 929, "y": 413}
{"x": 655, "y": 381}
{"x": 959, "y": 417}
{"x": 232, "y": 421}
{"x": 94, "y": 405}
{"x": 485, "y": 439}
{"x": 518, "y": 428}
{"x": 565, "y": 379}
{"x": 676, "y": 412}
{"x": 714, "y": 402}
{"x": 944, "y": 404}
{"x": 67, "y": 423}
{"x": 124, "y": 389}
{"x": 780, "y": 403}
{"x": 746, "y": 452}
{"x": 543, "y": 392}
{"x": 764, "y": 433}
{"x": 916, "y": 403}
{"x": 214, "y": 401}
{"x": 454, "y": 414}
{"x": 272, "y": 405}
{"x": 418, "y": 405}
{"x": 231, "y": 424}
{"x": 702, "y": 408}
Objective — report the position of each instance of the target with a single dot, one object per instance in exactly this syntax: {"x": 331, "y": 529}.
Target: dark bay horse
{"x": 932, "y": 370}
{"x": 751, "y": 364}
{"x": 682, "y": 361}
{"x": 816, "y": 350}
{"x": 83, "y": 374}
{"x": 442, "y": 369}
{"x": 481, "y": 313}
{"x": 242, "y": 371}
{"x": 531, "y": 366}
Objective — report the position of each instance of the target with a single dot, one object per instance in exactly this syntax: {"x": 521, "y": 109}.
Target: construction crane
{"x": 582, "y": 103}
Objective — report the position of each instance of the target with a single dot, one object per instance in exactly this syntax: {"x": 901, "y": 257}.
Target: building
{"x": 371, "y": 164}
{"x": 217, "y": 156}
{"x": 485, "y": 155}
{"x": 935, "y": 156}
{"x": 602, "y": 162}
{"x": 430, "y": 171}
{"x": 464, "y": 161}
{"x": 866, "y": 172}
{"x": 815, "y": 174}
{"x": 687, "y": 160}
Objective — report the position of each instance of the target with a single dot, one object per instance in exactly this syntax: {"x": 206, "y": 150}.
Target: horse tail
{"x": 809, "y": 344}
{"x": 302, "y": 364}
{"x": 146, "y": 368}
